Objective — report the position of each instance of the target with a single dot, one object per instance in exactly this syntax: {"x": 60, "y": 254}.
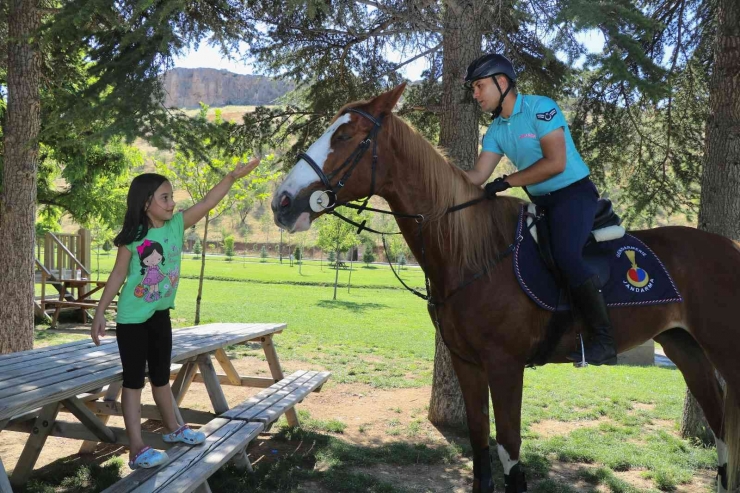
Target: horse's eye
{"x": 343, "y": 137}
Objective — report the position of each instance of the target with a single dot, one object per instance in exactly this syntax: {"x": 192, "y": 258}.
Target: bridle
{"x": 327, "y": 199}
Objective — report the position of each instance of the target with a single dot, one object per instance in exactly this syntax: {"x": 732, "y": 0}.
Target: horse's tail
{"x": 732, "y": 437}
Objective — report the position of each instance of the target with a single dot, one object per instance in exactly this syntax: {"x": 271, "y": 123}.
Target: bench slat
{"x": 140, "y": 476}
{"x": 190, "y": 466}
{"x": 195, "y": 467}
{"x": 273, "y": 399}
{"x": 273, "y": 412}
{"x": 235, "y": 411}
{"x": 269, "y": 404}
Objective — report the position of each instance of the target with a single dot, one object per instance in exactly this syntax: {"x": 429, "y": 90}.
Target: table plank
{"x": 30, "y": 371}
{"x": 187, "y": 342}
{"x": 43, "y": 352}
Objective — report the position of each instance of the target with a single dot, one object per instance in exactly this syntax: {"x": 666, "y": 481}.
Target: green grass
{"x": 383, "y": 337}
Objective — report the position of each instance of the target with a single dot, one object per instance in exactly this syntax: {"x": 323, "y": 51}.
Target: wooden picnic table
{"x": 36, "y": 385}
{"x": 83, "y": 300}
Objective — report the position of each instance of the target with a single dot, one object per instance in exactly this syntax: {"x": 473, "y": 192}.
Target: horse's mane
{"x": 475, "y": 236}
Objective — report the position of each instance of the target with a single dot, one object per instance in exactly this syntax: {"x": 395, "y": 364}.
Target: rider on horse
{"x": 532, "y": 132}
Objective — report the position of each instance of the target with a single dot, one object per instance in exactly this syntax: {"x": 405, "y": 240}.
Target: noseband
{"x": 327, "y": 199}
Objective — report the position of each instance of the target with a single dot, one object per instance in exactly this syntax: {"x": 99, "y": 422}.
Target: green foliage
{"x": 229, "y": 247}
{"x": 263, "y": 253}
{"x": 107, "y": 246}
{"x": 401, "y": 260}
{"x": 197, "y": 248}
{"x": 331, "y": 257}
{"x": 367, "y": 256}
{"x": 336, "y": 235}
{"x": 298, "y": 253}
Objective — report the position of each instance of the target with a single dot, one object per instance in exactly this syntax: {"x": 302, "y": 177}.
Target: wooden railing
{"x": 62, "y": 254}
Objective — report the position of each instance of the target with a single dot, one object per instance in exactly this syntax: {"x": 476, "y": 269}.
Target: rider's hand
{"x": 243, "y": 169}
{"x": 498, "y": 185}
{"x": 98, "y": 329}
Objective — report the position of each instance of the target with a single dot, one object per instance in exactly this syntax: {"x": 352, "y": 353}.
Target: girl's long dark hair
{"x": 136, "y": 222}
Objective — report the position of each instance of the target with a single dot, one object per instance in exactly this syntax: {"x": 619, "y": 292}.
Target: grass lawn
{"x": 382, "y": 337}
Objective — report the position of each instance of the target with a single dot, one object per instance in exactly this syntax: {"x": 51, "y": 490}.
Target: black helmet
{"x": 488, "y": 66}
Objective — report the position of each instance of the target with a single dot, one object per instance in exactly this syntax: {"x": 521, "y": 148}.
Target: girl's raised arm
{"x": 197, "y": 212}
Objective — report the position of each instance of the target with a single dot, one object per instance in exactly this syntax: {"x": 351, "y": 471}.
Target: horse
{"x": 491, "y": 327}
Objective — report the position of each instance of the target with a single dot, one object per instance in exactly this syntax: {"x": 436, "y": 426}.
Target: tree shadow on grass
{"x": 350, "y": 305}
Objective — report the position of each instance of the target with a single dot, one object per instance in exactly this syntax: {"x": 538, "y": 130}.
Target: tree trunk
{"x": 694, "y": 424}
{"x": 202, "y": 270}
{"x": 336, "y": 272}
{"x": 462, "y": 40}
{"x": 720, "y": 183}
{"x": 18, "y": 199}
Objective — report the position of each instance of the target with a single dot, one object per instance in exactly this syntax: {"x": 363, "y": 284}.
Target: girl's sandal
{"x": 185, "y": 435}
{"x": 148, "y": 457}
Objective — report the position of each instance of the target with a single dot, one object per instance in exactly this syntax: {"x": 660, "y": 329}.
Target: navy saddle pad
{"x": 631, "y": 274}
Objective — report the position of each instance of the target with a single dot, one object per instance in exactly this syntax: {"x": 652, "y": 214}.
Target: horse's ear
{"x": 385, "y": 103}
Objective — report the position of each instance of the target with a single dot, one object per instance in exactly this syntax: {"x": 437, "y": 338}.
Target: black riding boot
{"x": 588, "y": 299}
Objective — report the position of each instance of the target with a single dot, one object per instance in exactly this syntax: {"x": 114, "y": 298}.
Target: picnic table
{"x": 36, "y": 385}
{"x": 83, "y": 300}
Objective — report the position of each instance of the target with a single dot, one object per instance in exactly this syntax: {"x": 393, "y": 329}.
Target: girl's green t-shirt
{"x": 153, "y": 273}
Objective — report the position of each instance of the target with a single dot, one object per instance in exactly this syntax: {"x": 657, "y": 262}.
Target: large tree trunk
{"x": 720, "y": 184}
{"x": 18, "y": 200}
{"x": 459, "y": 137}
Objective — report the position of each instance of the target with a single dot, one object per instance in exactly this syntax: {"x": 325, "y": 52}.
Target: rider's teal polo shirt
{"x": 518, "y": 137}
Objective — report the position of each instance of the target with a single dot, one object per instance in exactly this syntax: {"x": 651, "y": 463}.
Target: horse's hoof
{"x": 514, "y": 482}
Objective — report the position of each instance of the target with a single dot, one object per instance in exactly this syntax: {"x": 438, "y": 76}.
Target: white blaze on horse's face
{"x": 302, "y": 175}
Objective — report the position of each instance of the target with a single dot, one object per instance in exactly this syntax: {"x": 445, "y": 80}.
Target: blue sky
{"x": 209, "y": 57}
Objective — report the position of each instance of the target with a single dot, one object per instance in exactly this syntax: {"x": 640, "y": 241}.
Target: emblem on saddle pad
{"x": 636, "y": 279}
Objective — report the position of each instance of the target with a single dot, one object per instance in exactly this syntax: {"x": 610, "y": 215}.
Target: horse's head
{"x": 342, "y": 165}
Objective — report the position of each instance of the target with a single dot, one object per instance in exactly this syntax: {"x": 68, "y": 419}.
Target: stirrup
{"x": 582, "y": 363}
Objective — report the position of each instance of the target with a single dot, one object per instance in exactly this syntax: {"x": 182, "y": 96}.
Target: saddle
{"x": 606, "y": 227}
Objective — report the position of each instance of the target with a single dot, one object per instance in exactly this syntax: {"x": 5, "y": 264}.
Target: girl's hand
{"x": 97, "y": 330}
{"x": 243, "y": 169}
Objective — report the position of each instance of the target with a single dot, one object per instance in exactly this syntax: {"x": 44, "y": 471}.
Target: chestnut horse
{"x": 490, "y": 326}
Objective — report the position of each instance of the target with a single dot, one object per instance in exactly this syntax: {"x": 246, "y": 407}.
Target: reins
{"x": 326, "y": 201}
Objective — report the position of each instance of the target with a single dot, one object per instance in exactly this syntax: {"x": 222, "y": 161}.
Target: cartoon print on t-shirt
{"x": 174, "y": 276}
{"x": 151, "y": 255}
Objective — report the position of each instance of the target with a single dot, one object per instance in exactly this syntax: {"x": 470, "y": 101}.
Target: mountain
{"x": 188, "y": 87}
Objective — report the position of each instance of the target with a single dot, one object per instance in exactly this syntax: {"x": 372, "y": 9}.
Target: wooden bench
{"x": 269, "y": 404}
{"x": 190, "y": 467}
{"x": 80, "y": 305}
{"x": 227, "y": 437}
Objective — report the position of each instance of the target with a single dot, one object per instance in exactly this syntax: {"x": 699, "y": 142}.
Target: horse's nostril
{"x": 285, "y": 201}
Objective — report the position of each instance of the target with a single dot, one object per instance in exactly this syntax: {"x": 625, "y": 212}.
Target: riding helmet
{"x": 488, "y": 66}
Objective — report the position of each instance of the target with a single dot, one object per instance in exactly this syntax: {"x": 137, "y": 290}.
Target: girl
{"x": 149, "y": 247}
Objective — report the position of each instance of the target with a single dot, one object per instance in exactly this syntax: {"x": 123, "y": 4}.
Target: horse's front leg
{"x": 506, "y": 379}
{"x": 474, "y": 385}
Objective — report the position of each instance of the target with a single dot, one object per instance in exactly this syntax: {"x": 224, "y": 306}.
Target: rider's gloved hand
{"x": 498, "y": 185}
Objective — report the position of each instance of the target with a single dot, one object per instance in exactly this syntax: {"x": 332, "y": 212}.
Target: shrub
{"x": 229, "y": 247}
{"x": 368, "y": 256}
{"x": 401, "y": 260}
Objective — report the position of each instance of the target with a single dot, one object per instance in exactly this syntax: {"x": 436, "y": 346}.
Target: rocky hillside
{"x": 187, "y": 87}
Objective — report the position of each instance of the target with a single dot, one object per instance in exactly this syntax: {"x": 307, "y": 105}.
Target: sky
{"x": 209, "y": 57}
